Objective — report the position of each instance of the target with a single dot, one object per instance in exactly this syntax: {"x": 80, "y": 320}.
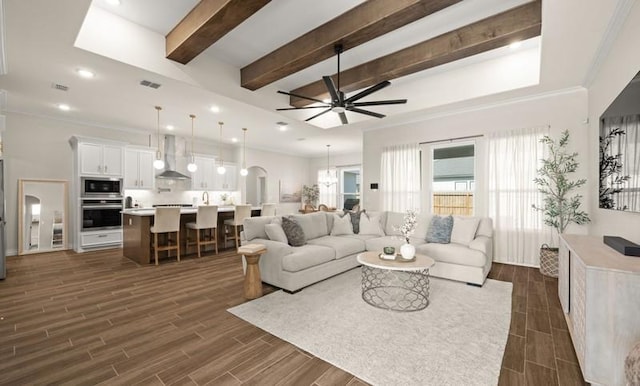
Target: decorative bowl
{"x": 389, "y": 250}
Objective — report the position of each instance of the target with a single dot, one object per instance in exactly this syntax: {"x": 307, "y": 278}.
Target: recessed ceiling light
{"x": 64, "y": 107}
{"x": 282, "y": 126}
{"x": 515, "y": 45}
{"x": 85, "y": 73}
{"x": 113, "y": 2}
{"x": 215, "y": 109}
{"x": 170, "y": 127}
{"x": 234, "y": 139}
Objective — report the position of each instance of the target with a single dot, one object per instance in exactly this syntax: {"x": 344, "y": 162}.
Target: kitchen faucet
{"x": 206, "y": 201}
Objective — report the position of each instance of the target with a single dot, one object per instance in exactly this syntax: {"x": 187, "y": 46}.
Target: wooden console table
{"x": 599, "y": 290}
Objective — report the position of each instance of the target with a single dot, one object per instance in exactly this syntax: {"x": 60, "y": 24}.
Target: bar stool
{"x": 268, "y": 210}
{"x": 240, "y": 213}
{"x": 206, "y": 227}
{"x": 166, "y": 220}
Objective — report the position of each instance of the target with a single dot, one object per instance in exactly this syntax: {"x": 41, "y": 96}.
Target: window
{"x": 349, "y": 186}
{"x": 400, "y": 178}
{"x": 453, "y": 179}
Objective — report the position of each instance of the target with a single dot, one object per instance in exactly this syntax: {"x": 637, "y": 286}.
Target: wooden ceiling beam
{"x": 360, "y": 24}
{"x": 205, "y": 24}
{"x": 516, "y": 24}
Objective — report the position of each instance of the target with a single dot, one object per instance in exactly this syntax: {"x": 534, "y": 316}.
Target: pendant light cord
{"x": 158, "y": 108}
{"x": 192, "y": 118}
{"x": 244, "y": 147}
{"x": 220, "y": 145}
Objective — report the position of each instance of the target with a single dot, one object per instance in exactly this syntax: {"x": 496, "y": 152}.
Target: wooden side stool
{"x": 252, "y": 280}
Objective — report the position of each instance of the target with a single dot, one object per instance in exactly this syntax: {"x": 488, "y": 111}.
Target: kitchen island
{"x": 136, "y": 244}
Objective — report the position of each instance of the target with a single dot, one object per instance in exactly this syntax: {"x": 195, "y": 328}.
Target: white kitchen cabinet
{"x": 100, "y": 160}
{"x": 203, "y": 178}
{"x": 138, "y": 170}
{"x": 227, "y": 181}
{"x": 598, "y": 289}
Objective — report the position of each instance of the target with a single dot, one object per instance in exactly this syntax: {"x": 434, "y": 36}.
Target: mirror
{"x": 620, "y": 151}
{"x": 42, "y": 215}
{"x": 256, "y": 185}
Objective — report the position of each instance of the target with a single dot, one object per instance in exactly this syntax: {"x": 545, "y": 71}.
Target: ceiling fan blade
{"x": 368, "y": 91}
{"x": 331, "y": 87}
{"x": 365, "y": 112}
{"x": 343, "y": 118}
{"x": 302, "y": 108}
{"x": 300, "y": 96}
{"x": 380, "y": 103}
{"x": 317, "y": 115}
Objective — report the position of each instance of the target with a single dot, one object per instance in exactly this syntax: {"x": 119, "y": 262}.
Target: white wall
{"x": 566, "y": 110}
{"x": 620, "y": 65}
{"x": 279, "y": 167}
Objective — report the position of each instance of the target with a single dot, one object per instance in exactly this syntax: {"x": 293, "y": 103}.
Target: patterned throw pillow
{"x": 355, "y": 219}
{"x": 294, "y": 232}
{"x": 440, "y": 230}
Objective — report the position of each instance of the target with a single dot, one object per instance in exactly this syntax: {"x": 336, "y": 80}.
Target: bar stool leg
{"x": 155, "y": 246}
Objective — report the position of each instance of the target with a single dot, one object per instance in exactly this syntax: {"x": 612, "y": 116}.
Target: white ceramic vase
{"x": 407, "y": 251}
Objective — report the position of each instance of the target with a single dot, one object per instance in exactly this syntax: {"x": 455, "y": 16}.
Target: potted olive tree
{"x": 559, "y": 206}
{"x": 310, "y": 194}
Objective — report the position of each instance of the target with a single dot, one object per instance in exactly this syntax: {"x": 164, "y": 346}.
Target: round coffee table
{"x": 395, "y": 284}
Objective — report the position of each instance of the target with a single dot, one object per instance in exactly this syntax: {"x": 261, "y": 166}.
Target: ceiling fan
{"x": 339, "y": 104}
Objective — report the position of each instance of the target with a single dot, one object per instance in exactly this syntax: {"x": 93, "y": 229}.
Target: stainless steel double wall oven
{"x": 101, "y": 203}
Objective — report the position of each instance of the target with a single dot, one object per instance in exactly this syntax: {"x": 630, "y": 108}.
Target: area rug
{"x": 459, "y": 339}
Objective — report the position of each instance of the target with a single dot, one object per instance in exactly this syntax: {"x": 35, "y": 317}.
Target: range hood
{"x": 170, "y": 172}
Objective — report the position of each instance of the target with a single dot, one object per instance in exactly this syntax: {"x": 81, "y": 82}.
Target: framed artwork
{"x": 290, "y": 192}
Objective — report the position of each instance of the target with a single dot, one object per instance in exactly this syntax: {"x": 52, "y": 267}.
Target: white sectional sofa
{"x": 466, "y": 258}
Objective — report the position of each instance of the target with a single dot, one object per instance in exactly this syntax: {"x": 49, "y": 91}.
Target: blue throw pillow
{"x": 440, "y": 230}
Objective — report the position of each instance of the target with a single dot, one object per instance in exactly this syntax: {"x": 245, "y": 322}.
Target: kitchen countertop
{"x": 187, "y": 210}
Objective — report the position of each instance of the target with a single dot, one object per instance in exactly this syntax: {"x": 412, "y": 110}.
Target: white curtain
{"x": 513, "y": 160}
{"x": 628, "y": 145}
{"x": 400, "y": 178}
{"x": 328, "y": 194}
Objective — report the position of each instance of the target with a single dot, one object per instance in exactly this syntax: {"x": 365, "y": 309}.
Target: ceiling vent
{"x": 147, "y": 83}
{"x": 61, "y": 87}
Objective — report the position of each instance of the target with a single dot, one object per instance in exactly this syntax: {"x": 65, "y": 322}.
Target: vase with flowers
{"x": 408, "y": 251}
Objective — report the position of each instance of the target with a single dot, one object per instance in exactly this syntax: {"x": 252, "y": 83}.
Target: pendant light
{"x": 192, "y": 167}
{"x": 328, "y": 180}
{"x": 158, "y": 163}
{"x": 244, "y": 171}
{"x": 221, "y": 168}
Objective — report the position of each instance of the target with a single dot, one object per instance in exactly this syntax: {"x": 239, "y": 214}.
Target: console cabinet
{"x": 599, "y": 291}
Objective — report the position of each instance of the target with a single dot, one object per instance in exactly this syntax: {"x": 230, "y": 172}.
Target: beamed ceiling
{"x": 443, "y": 56}
{"x": 210, "y": 20}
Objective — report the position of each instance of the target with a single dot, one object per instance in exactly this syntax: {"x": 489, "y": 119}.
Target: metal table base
{"x": 395, "y": 289}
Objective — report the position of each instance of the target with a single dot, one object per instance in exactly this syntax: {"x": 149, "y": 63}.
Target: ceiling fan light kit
{"x": 338, "y": 103}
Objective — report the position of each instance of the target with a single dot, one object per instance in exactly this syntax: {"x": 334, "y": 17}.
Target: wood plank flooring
{"x": 98, "y": 317}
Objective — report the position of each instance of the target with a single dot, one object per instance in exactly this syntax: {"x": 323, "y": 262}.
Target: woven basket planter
{"x": 548, "y": 261}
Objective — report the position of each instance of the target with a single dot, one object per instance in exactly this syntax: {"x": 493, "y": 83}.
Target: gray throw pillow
{"x": 440, "y": 230}
{"x": 294, "y": 232}
{"x": 355, "y": 219}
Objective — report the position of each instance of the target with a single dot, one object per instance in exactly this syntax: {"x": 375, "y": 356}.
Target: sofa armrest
{"x": 483, "y": 244}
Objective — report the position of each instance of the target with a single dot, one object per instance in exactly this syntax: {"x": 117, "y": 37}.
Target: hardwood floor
{"x": 98, "y": 317}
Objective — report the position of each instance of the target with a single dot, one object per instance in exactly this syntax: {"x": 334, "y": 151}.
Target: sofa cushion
{"x": 440, "y": 229}
{"x": 453, "y": 253}
{"x": 370, "y": 224}
{"x": 485, "y": 227}
{"x": 343, "y": 246}
{"x": 422, "y": 226}
{"x": 393, "y": 224}
{"x": 314, "y": 225}
{"x": 294, "y": 232}
{"x": 307, "y": 256}
{"x": 341, "y": 225}
{"x": 275, "y": 232}
{"x": 464, "y": 229}
{"x": 253, "y": 227}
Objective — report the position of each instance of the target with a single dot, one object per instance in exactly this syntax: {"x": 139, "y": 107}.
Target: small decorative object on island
{"x": 310, "y": 194}
{"x": 558, "y": 208}
{"x": 408, "y": 251}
